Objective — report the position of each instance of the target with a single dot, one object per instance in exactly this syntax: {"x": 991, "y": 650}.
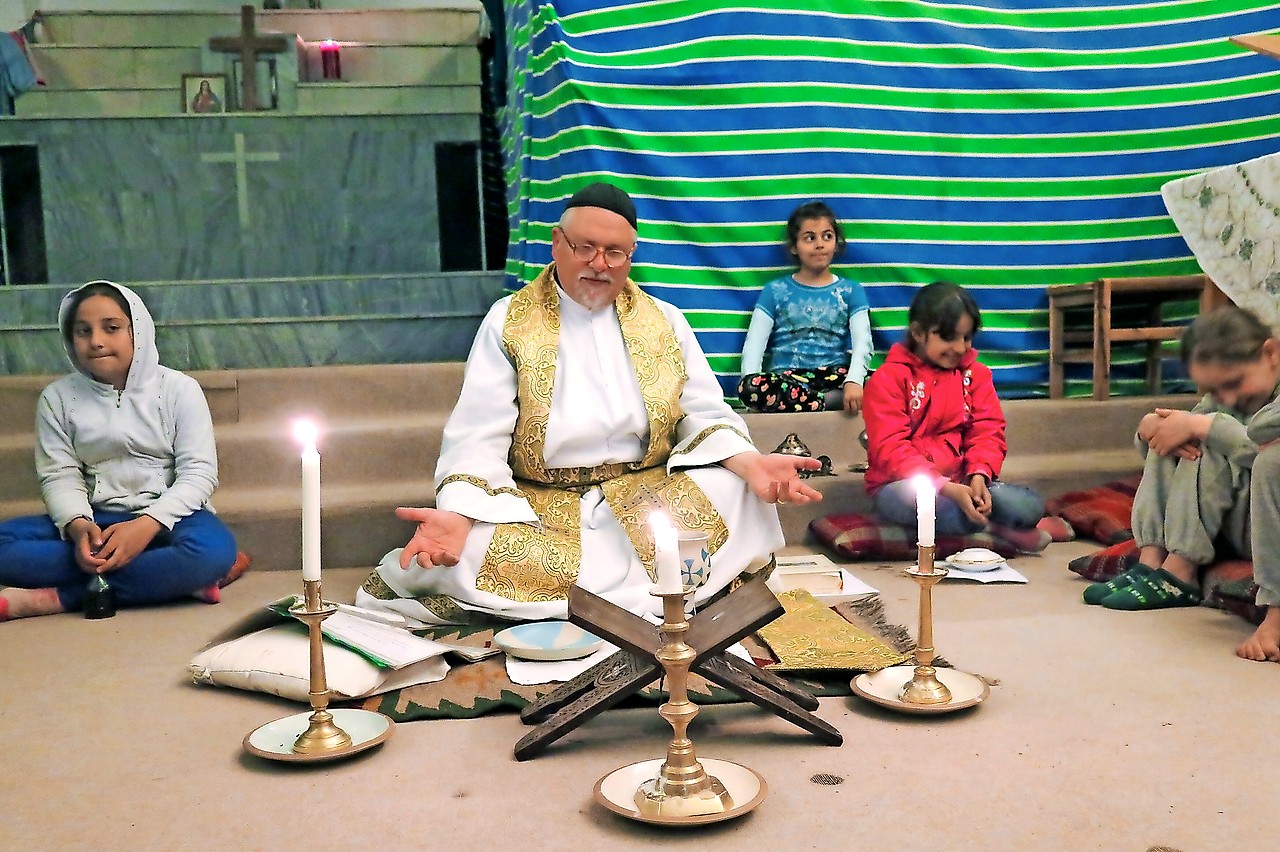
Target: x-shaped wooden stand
{"x": 626, "y": 672}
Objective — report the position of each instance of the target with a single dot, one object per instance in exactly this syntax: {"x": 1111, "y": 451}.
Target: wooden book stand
{"x": 626, "y": 672}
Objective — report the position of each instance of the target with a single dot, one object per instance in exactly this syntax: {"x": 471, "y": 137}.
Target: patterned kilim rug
{"x": 474, "y": 689}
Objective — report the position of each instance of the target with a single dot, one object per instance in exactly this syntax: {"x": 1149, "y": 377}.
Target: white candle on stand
{"x": 666, "y": 555}
{"x": 924, "y": 511}
{"x": 305, "y": 431}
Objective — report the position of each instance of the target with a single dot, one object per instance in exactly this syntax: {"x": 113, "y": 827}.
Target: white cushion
{"x": 277, "y": 661}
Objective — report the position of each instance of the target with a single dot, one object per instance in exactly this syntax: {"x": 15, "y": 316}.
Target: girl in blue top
{"x": 126, "y": 462}
{"x": 814, "y": 325}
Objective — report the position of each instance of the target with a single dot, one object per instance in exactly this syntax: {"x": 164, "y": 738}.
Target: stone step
{"x": 397, "y": 64}
{"x": 358, "y": 522}
{"x": 93, "y": 103}
{"x": 270, "y": 396}
{"x": 97, "y": 67}
{"x": 107, "y": 68}
{"x": 322, "y": 98}
{"x": 462, "y": 22}
{"x": 1035, "y": 426}
{"x": 368, "y": 450}
{"x": 343, "y": 98}
{"x": 208, "y": 325}
{"x": 381, "y": 429}
{"x": 414, "y": 295}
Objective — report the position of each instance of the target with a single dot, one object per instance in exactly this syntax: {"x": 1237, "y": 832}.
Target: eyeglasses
{"x": 587, "y": 253}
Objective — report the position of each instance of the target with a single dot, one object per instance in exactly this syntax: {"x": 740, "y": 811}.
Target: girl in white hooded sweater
{"x": 126, "y": 461}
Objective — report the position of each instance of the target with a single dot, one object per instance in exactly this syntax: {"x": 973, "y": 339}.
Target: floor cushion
{"x": 856, "y": 536}
{"x": 1100, "y": 513}
{"x": 1229, "y": 585}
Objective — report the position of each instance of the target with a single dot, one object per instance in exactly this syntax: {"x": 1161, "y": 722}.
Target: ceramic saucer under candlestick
{"x": 922, "y": 688}
{"x": 680, "y": 790}
{"x": 320, "y": 734}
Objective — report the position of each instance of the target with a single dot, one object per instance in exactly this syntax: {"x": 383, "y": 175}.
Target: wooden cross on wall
{"x": 248, "y": 44}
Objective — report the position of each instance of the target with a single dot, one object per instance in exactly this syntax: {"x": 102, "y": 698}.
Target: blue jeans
{"x": 1015, "y": 506}
{"x": 194, "y": 555}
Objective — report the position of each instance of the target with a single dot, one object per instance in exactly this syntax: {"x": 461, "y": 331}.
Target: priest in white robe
{"x": 586, "y": 406}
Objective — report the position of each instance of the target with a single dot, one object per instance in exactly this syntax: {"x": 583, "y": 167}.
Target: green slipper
{"x": 1095, "y": 592}
{"x": 1157, "y": 590}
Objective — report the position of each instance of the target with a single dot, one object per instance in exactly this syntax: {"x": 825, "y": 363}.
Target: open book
{"x": 373, "y": 636}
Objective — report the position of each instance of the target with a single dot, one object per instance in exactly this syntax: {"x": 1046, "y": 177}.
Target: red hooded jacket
{"x": 946, "y": 424}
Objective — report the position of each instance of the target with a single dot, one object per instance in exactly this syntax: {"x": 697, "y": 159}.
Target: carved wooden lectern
{"x": 626, "y": 672}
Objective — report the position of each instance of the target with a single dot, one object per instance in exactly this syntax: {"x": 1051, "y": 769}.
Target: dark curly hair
{"x": 813, "y": 210}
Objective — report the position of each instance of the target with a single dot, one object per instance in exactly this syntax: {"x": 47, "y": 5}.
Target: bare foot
{"x": 24, "y": 603}
{"x": 1264, "y": 644}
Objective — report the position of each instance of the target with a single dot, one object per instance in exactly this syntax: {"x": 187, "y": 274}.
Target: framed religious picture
{"x": 204, "y": 93}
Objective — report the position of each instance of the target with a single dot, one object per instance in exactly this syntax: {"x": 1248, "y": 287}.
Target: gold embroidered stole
{"x": 526, "y": 563}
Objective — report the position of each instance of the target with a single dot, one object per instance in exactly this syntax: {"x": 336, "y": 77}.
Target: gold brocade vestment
{"x": 530, "y": 563}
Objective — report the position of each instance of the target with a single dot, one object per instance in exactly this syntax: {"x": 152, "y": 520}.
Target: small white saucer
{"x": 976, "y": 559}
{"x": 884, "y": 686}
{"x": 275, "y": 740}
{"x": 547, "y": 640}
{"x": 617, "y": 790}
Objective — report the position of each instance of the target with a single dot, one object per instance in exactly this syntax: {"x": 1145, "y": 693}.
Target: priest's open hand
{"x": 775, "y": 478}
{"x": 440, "y": 536}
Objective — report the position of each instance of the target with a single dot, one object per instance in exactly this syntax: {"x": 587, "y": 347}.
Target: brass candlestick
{"x": 322, "y": 734}
{"x": 924, "y": 686}
{"x": 318, "y": 736}
{"x": 680, "y": 789}
{"x": 683, "y": 787}
{"x": 929, "y": 690}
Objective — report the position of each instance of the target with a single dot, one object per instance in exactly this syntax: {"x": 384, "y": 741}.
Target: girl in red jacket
{"x": 932, "y": 409}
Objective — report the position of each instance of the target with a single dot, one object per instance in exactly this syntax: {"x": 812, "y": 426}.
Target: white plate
{"x": 547, "y": 640}
{"x": 885, "y": 688}
{"x": 275, "y": 740}
{"x": 976, "y": 559}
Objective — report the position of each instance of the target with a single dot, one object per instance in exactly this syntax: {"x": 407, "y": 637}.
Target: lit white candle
{"x": 305, "y": 431}
{"x": 924, "y": 511}
{"x": 666, "y": 555}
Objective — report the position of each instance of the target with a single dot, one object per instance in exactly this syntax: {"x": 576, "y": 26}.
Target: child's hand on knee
{"x": 962, "y": 496}
{"x": 981, "y": 494}
{"x": 1178, "y": 429}
{"x": 1147, "y": 426}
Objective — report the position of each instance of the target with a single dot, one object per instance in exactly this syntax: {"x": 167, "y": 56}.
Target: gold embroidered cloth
{"x": 531, "y": 337}
{"x": 810, "y": 636}
{"x": 526, "y": 563}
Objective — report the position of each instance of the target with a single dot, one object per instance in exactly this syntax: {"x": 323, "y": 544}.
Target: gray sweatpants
{"x": 1264, "y": 511}
{"x": 1195, "y": 508}
{"x": 1191, "y": 506}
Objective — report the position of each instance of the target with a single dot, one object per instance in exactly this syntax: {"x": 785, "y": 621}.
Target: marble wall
{"x": 257, "y": 240}
{"x": 239, "y": 196}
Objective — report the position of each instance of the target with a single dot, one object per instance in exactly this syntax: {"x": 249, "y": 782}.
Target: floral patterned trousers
{"x": 790, "y": 390}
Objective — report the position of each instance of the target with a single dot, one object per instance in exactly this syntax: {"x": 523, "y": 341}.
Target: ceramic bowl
{"x": 547, "y": 640}
{"x": 976, "y": 559}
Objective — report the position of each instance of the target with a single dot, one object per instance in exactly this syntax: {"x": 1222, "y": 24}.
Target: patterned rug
{"x": 474, "y": 689}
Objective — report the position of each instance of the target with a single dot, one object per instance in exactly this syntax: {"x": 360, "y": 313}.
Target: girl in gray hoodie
{"x": 126, "y": 461}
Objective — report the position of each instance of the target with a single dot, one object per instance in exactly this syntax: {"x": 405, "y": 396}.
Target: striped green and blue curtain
{"x": 1003, "y": 145}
